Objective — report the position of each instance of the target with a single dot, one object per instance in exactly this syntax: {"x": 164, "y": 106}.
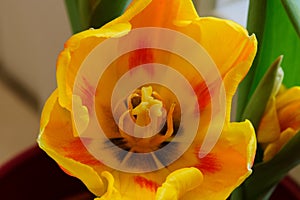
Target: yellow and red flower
{"x": 280, "y": 122}
{"x": 190, "y": 177}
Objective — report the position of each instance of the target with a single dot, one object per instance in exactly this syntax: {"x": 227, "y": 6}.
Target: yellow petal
{"x": 112, "y": 193}
{"x": 82, "y": 113}
{"x": 229, "y": 163}
{"x": 138, "y": 186}
{"x": 45, "y": 117}
{"x": 84, "y": 172}
{"x": 57, "y": 140}
{"x": 289, "y": 116}
{"x": 167, "y": 13}
{"x": 133, "y": 9}
{"x": 81, "y": 44}
{"x": 226, "y": 166}
{"x": 178, "y": 183}
{"x": 76, "y": 50}
{"x": 226, "y": 51}
{"x": 288, "y": 96}
{"x": 273, "y": 148}
{"x": 269, "y": 127}
{"x": 156, "y": 13}
{"x": 238, "y": 71}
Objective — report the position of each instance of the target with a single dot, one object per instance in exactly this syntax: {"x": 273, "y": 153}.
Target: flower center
{"x": 147, "y": 123}
{"x": 141, "y": 111}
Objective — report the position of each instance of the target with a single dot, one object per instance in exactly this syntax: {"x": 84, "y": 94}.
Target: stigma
{"x": 147, "y": 123}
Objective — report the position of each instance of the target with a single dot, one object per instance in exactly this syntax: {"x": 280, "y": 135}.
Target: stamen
{"x": 146, "y": 106}
{"x": 142, "y": 111}
{"x": 158, "y": 139}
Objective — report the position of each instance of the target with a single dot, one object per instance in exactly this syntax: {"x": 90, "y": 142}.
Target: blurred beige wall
{"x": 32, "y": 33}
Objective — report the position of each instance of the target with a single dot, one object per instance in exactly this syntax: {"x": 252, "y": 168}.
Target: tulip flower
{"x": 192, "y": 175}
{"x": 281, "y": 121}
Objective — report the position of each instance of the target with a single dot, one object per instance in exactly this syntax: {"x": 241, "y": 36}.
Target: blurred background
{"x": 32, "y": 34}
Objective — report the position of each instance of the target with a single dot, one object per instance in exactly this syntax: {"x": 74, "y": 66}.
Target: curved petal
{"x": 112, "y": 193}
{"x": 238, "y": 71}
{"x": 178, "y": 183}
{"x": 81, "y": 44}
{"x": 45, "y": 117}
{"x": 76, "y": 50}
{"x": 236, "y": 147}
{"x": 137, "y": 15}
{"x": 226, "y": 51}
{"x": 84, "y": 172}
{"x": 138, "y": 186}
{"x": 167, "y": 14}
{"x": 289, "y": 116}
{"x": 269, "y": 127}
{"x": 273, "y": 148}
{"x": 288, "y": 96}
{"x": 280, "y": 121}
{"x": 233, "y": 55}
{"x": 56, "y": 138}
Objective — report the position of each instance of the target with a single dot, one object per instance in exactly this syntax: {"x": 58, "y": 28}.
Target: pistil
{"x": 146, "y": 108}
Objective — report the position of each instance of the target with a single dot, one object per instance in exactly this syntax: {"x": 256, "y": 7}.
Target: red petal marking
{"x": 208, "y": 164}
{"x": 145, "y": 183}
{"x": 78, "y": 152}
{"x": 141, "y": 56}
{"x": 88, "y": 93}
{"x": 203, "y": 95}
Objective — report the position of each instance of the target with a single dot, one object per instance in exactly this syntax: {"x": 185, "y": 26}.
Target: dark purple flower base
{"x": 33, "y": 175}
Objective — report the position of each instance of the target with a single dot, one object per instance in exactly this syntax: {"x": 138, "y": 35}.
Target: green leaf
{"x": 280, "y": 38}
{"x": 258, "y": 101}
{"x": 256, "y": 25}
{"x": 72, "y": 8}
{"x": 292, "y": 7}
{"x": 85, "y": 14}
{"x": 107, "y": 10}
{"x": 276, "y": 36}
{"x": 267, "y": 175}
{"x": 255, "y": 108}
{"x": 79, "y": 12}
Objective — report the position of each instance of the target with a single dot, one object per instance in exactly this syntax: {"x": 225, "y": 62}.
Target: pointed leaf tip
{"x": 268, "y": 84}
